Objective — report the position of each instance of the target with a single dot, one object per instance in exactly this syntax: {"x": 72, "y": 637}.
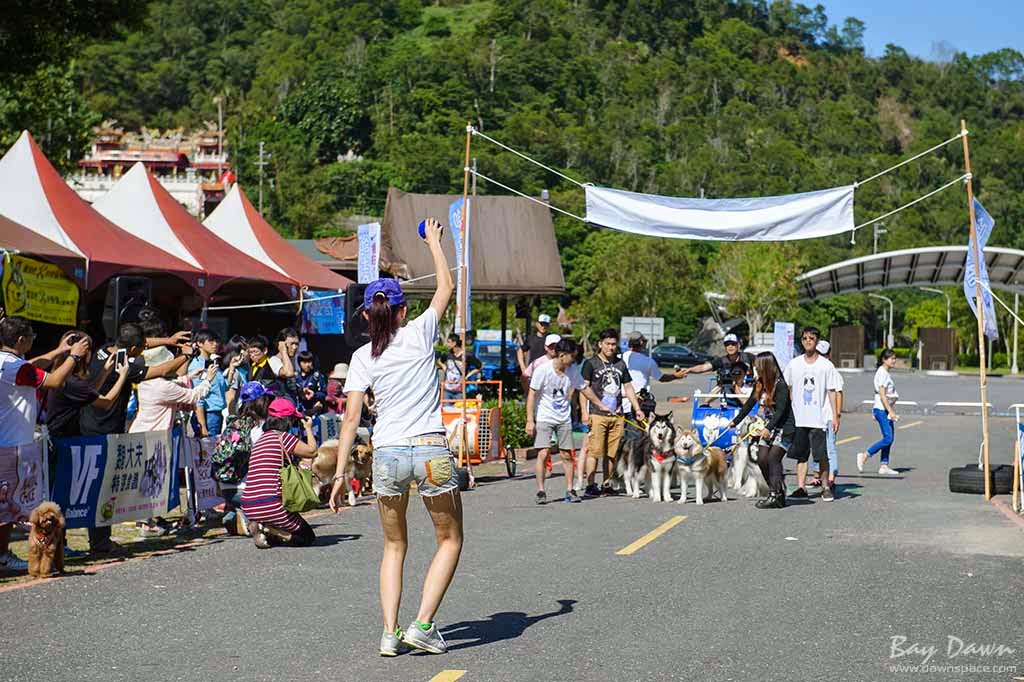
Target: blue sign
{"x": 983, "y": 225}
{"x": 323, "y": 312}
{"x": 711, "y": 422}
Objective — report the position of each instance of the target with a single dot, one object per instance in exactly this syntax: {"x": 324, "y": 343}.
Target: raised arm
{"x": 57, "y": 377}
{"x": 105, "y": 401}
{"x": 445, "y": 286}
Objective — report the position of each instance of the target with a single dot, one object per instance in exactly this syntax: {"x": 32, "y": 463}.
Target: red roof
{"x": 109, "y": 249}
{"x": 17, "y": 237}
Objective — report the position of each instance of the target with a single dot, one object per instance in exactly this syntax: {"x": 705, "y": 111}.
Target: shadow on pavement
{"x": 499, "y": 626}
{"x": 328, "y": 540}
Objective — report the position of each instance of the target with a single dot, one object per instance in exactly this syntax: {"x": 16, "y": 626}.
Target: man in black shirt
{"x": 609, "y": 378}
{"x": 532, "y": 347}
{"x": 724, "y": 365}
{"x": 103, "y": 421}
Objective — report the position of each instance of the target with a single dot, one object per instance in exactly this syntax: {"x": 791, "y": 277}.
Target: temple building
{"x": 193, "y": 167}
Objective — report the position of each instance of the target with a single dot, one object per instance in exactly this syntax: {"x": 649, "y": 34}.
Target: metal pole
{"x": 1016, "y": 325}
{"x": 983, "y": 376}
{"x": 260, "y": 164}
{"x": 889, "y": 341}
{"x": 220, "y": 137}
{"x": 464, "y": 450}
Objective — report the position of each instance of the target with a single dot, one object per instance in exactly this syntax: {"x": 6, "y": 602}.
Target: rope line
{"x": 306, "y": 300}
{"x": 527, "y": 158}
{"x": 912, "y": 158}
{"x": 1000, "y": 301}
{"x": 527, "y": 196}
{"x": 915, "y": 201}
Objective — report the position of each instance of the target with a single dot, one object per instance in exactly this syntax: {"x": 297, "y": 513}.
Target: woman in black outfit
{"x": 777, "y": 436}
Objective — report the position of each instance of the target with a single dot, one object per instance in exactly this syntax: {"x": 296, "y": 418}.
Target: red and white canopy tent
{"x": 237, "y": 222}
{"x": 33, "y": 193}
{"x": 16, "y": 238}
{"x": 139, "y": 204}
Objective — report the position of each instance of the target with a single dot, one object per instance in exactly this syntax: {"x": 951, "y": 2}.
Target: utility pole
{"x": 878, "y": 229}
{"x": 261, "y": 163}
{"x": 1016, "y": 316}
{"x": 890, "y": 339}
{"x": 220, "y": 136}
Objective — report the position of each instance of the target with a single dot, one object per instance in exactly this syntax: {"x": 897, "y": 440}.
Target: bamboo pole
{"x": 980, "y": 313}
{"x": 461, "y": 303}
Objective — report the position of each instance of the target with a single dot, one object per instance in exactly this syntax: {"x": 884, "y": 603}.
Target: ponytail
{"x": 383, "y": 319}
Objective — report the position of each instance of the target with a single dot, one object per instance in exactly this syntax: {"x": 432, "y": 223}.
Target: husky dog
{"x": 649, "y": 455}
{"x": 704, "y": 466}
{"x": 745, "y": 475}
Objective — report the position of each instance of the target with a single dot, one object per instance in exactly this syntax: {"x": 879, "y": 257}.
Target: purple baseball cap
{"x": 253, "y": 390}
{"x": 386, "y": 287}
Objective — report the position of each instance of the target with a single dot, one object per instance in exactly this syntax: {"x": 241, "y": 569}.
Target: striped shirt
{"x": 261, "y": 500}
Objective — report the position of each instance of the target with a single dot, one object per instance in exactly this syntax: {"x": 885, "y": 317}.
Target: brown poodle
{"x": 46, "y": 540}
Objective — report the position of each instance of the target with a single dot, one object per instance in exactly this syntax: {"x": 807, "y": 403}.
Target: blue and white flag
{"x": 455, "y": 220}
{"x": 983, "y": 224}
{"x": 369, "y": 252}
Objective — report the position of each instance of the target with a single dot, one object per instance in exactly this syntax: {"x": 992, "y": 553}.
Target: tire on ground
{"x": 971, "y": 480}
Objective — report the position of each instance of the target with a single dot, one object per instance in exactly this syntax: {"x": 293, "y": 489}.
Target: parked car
{"x": 489, "y": 354}
{"x": 669, "y": 354}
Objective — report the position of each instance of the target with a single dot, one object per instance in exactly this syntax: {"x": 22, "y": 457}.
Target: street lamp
{"x": 939, "y": 291}
{"x": 889, "y": 301}
{"x": 878, "y": 229}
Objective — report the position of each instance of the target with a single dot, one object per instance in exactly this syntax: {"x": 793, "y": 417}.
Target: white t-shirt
{"x": 642, "y": 370}
{"x": 19, "y": 406}
{"x": 404, "y": 382}
{"x": 276, "y": 364}
{"x": 884, "y": 379}
{"x": 809, "y": 384}
{"x": 554, "y": 392}
{"x": 532, "y": 367}
{"x": 835, "y": 380}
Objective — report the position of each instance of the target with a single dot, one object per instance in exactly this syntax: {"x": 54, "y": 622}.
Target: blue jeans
{"x": 431, "y": 466}
{"x": 214, "y": 423}
{"x": 888, "y": 434}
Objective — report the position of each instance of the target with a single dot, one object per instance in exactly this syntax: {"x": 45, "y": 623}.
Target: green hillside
{"x": 723, "y": 98}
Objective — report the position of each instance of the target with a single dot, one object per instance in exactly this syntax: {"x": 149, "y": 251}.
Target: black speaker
{"x": 126, "y": 296}
{"x": 355, "y": 324}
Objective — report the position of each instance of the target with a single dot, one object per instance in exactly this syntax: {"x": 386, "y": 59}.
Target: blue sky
{"x": 973, "y": 27}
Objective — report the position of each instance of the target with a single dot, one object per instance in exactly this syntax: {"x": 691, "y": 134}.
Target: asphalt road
{"x": 815, "y": 591}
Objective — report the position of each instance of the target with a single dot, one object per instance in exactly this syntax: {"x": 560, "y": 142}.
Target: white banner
{"x": 785, "y": 340}
{"x": 136, "y": 478}
{"x": 369, "y": 252}
{"x": 196, "y": 456}
{"x": 455, "y": 219}
{"x": 790, "y": 216}
{"x": 22, "y": 481}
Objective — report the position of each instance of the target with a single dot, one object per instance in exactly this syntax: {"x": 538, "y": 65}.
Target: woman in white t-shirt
{"x": 885, "y": 414}
{"x": 409, "y": 444}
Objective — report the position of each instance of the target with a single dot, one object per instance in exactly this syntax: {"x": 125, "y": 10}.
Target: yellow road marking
{"x": 447, "y": 676}
{"x": 907, "y": 426}
{"x": 650, "y": 537}
{"x": 847, "y": 440}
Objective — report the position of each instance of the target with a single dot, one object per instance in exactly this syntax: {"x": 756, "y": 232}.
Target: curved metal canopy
{"x": 925, "y": 266}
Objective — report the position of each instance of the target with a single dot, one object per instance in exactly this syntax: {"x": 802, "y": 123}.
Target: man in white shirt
{"x": 812, "y": 384}
{"x": 824, "y": 348}
{"x": 551, "y": 389}
{"x": 283, "y": 363}
{"x": 644, "y": 370}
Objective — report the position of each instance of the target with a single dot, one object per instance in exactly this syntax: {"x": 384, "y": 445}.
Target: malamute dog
{"x": 650, "y": 454}
{"x": 706, "y": 467}
{"x": 745, "y": 475}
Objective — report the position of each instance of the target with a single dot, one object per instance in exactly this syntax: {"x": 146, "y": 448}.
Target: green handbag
{"x": 297, "y": 494}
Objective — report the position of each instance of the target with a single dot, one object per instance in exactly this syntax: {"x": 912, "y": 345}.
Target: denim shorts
{"x": 431, "y": 466}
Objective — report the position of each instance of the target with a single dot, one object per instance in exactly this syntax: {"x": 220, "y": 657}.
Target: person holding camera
{"x": 724, "y": 366}
{"x": 269, "y": 522}
{"x": 644, "y": 370}
{"x": 20, "y": 379}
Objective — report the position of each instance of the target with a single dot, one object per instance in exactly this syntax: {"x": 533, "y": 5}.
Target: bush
{"x": 513, "y": 423}
{"x": 1000, "y": 360}
{"x": 903, "y": 353}
{"x": 967, "y": 359}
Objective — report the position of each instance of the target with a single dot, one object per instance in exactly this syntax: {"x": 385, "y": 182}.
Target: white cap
{"x": 552, "y": 339}
{"x": 731, "y": 338}
{"x": 824, "y": 347}
{"x": 544, "y": 318}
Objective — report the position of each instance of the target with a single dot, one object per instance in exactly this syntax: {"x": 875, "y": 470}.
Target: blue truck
{"x": 488, "y": 352}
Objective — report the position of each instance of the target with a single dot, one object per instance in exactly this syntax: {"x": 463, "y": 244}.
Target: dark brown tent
{"x": 513, "y": 246}
{"x": 17, "y": 238}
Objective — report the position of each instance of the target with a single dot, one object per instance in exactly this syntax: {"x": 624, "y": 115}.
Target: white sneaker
{"x": 884, "y": 470}
{"x": 11, "y": 562}
{"x": 862, "y": 457}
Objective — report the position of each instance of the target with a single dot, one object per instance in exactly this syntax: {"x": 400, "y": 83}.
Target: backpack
{"x": 229, "y": 462}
